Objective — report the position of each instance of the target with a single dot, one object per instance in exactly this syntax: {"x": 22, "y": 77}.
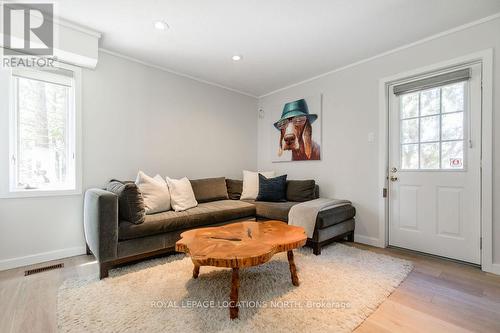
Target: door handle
{"x": 393, "y": 178}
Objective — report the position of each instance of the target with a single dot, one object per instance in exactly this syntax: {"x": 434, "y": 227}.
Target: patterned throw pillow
{"x": 272, "y": 189}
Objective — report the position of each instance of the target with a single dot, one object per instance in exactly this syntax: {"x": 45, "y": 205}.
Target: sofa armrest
{"x": 100, "y": 219}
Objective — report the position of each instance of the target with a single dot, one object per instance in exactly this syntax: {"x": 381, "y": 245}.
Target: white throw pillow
{"x": 181, "y": 194}
{"x": 251, "y": 183}
{"x": 154, "y": 191}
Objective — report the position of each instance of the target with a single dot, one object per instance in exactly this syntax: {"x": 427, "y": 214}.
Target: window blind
{"x": 433, "y": 81}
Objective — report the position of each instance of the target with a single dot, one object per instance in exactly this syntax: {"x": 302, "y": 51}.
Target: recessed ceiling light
{"x": 236, "y": 57}
{"x": 161, "y": 25}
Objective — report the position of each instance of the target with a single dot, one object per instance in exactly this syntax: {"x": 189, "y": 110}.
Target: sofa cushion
{"x": 209, "y": 189}
{"x": 272, "y": 189}
{"x": 300, "y": 190}
{"x": 334, "y": 231}
{"x": 204, "y": 214}
{"x": 329, "y": 217}
{"x": 234, "y": 188}
{"x": 272, "y": 210}
{"x": 130, "y": 202}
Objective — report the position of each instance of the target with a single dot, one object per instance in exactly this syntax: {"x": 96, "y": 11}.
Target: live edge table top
{"x": 241, "y": 244}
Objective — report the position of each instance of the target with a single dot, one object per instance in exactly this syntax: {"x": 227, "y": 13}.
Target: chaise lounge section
{"x": 114, "y": 241}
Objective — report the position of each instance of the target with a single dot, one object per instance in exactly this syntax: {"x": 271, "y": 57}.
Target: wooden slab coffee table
{"x": 240, "y": 245}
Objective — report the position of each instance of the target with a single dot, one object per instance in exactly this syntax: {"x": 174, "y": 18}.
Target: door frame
{"x": 485, "y": 57}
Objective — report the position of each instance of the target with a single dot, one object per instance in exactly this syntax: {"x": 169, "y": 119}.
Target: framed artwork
{"x": 296, "y": 130}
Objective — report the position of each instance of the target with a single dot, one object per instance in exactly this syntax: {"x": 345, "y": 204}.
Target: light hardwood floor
{"x": 437, "y": 296}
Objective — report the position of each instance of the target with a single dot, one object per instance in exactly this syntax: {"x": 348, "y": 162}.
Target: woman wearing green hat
{"x": 296, "y": 131}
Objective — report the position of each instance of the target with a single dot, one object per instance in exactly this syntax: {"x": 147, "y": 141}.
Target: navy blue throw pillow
{"x": 272, "y": 189}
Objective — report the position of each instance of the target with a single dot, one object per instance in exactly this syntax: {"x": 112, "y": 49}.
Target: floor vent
{"x": 43, "y": 269}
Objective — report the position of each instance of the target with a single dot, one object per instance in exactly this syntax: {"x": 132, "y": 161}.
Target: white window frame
{"x": 465, "y": 139}
{"x": 8, "y": 188}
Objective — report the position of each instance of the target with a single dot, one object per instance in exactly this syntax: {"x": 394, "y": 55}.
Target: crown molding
{"x": 77, "y": 27}
{"x": 164, "y": 69}
{"x": 357, "y": 63}
{"x": 398, "y": 49}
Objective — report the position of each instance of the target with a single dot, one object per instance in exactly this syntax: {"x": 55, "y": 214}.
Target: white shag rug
{"x": 338, "y": 290}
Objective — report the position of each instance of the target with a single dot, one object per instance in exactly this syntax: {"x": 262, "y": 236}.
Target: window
{"x": 43, "y": 136}
{"x": 432, "y": 128}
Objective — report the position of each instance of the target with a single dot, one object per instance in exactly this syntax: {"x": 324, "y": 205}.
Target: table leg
{"x": 293, "y": 269}
{"x": 196, "y": 271}
{"x": 233, "y": 305}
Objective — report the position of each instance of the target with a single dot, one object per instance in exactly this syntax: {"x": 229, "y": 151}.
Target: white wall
{"x": 134, "y": 117}
{"x": 139, "y": 117}
{"x": 349, "y": 166}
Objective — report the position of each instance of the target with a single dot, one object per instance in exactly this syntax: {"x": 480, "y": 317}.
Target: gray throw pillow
{"x": 209, "y": 189}
{"x": 234, "y": 188}
{"x": 300, "y": 190}
{"x": 130, "y": 202}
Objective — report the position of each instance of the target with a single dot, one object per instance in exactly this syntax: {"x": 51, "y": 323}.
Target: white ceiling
{"x": 282, "y": 41}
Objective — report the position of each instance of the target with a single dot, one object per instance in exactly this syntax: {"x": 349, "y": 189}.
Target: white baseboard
{"x": 367, "y": 240}
{"x": 41, "y": 257}
{"x": 492, "y": 268}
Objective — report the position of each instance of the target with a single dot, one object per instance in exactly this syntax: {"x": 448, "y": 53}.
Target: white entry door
{"x": 435, "y": 164}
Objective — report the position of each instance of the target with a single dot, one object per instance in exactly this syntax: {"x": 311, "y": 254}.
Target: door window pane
{"x": 453, "y": 126}
{"x": 432, "y": 128}
{"x": 452, "y": 155}
{"x": 429, "y": 156}
{"x": 430, "y": 102}
{"x": 409, "y": 156}
{"x": 409, "y": 106}
{"x": 453, "y": 97}
{"x": 429, "y": 129}
{"x": 409, "y": 131}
